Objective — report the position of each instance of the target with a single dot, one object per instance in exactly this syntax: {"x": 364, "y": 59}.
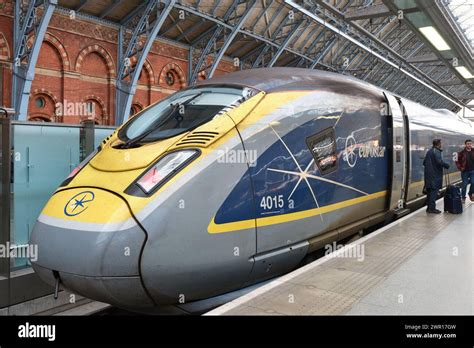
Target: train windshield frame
{"x": 182, "y": 112}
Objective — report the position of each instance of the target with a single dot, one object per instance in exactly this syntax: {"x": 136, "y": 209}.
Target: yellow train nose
{"x": 89, "y": 209}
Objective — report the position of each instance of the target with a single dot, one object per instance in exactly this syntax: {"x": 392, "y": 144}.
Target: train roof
{"x": 287, "y": 79}
{"x": 281, "y": 79}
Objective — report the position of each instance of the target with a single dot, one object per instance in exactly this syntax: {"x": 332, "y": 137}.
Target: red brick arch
{"x": 138, "y": 105}
{"x": 148, "y": 68}
{"x": 4, "y": 49}
{"x": 98, "y": 100}
{"x": 39, "y": 91}
{"x": 60, "y": 48}
{"x": 56, "y": 43}
{"x": 177, "y": 69}
{"x": 100, "y": 51}
{"x": 150, "y": 71}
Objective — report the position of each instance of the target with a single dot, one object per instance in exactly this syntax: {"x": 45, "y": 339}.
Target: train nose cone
{"x": 89, "y": 238}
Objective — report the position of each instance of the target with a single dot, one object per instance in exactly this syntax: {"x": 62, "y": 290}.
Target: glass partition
{"x": 34, "y": 159}
{"x": 43, "y": 156}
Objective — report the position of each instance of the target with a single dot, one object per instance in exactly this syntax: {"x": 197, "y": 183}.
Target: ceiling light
{"x": 435, "y": 38}
{"x": 464, "y": 72}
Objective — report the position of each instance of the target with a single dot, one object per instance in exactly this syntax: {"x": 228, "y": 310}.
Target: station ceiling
{"x": 390, "y": 43}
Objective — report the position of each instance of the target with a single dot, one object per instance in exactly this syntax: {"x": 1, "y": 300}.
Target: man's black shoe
{"x": 436, "y": 211}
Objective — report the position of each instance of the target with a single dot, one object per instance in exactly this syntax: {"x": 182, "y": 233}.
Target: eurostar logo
{"x": 79, "y": 203}
{"x": 350, "y": 155}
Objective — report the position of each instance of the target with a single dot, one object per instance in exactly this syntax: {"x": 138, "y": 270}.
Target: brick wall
{"x": 77, "y": 65}
{"x": 6, "y": 35}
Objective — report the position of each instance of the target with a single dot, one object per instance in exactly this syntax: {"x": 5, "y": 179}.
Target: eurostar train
{"x": 233, "y": 182}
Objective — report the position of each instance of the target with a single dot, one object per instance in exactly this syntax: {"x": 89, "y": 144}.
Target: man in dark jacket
{"x": 434, "y": 165}
{"x": 465, "y": 164}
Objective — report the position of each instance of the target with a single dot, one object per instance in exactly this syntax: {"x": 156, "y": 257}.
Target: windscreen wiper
{"x": 130, "y": 142}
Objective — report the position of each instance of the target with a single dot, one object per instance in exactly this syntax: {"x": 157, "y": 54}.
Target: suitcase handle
{"x": 446, "y": 175}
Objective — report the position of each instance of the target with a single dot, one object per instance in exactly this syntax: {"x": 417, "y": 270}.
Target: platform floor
{"x": 47, "y": 305}
{"x": 421, "y": 264}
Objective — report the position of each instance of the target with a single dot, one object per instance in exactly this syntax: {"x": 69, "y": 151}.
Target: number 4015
{"x": 272, "y": 202}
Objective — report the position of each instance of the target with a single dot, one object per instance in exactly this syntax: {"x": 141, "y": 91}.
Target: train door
{"x": 400, "y": 158}
{"x": 408, "y": 159}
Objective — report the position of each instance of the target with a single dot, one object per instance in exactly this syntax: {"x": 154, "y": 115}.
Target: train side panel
{"x": 424, "y": 126}
{"x": 295, "y": 198}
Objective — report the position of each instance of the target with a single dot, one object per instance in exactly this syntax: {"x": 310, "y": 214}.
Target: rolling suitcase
{"x": 452, "y": 198}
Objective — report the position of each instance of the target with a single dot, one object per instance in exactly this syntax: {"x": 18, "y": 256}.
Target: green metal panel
{"x": 43, "y": 157}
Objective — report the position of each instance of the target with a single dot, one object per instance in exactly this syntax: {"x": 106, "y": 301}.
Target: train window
{"x": 182, "y": 112}
{"x": 323, "y": 149}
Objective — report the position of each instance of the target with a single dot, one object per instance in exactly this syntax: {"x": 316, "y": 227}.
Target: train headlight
{"x": 163, "y": 170}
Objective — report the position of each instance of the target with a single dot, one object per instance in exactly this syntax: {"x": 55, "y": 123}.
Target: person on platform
{"x": 434, "y": 165}
{"x": 465, "y": 164}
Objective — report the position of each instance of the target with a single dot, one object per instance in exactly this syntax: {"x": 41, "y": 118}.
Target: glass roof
{"x": 463, "y": 11}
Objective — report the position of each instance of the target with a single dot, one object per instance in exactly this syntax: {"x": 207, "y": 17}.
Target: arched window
{"x": 42, "y": 106}
{"x": 40, "y": 102}
{"x": 170, "y": 78}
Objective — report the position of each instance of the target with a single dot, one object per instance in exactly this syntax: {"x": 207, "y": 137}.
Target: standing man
{"x": 434, "y": 165}
{"x": 465, "y": 164}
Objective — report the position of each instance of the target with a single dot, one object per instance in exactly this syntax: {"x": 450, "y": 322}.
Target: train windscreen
{"x": 181, "y": 112}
